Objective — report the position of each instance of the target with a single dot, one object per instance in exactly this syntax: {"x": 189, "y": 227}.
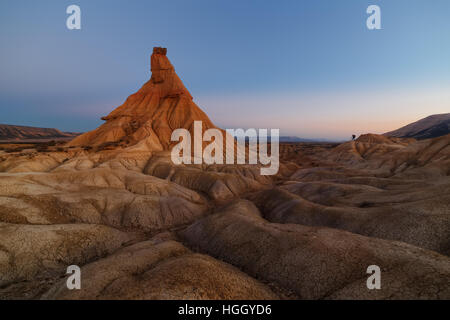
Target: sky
{"x": 310, "y": 68}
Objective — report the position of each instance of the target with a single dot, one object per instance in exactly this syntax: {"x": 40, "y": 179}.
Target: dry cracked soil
{"x": 112, "y": 202}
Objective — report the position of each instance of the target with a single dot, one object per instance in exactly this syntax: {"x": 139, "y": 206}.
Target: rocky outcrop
{"x": 433, "y": 126}
{"x": 147, "y": 118}
{"x": 141, "y": 227}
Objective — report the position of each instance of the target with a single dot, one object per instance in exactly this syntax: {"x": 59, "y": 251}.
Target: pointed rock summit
{"x": 148, "y": 117}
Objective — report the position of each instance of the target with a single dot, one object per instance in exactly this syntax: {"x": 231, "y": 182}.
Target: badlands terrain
{"x": 112, "y": 202}
{"x": 10, "y": 133}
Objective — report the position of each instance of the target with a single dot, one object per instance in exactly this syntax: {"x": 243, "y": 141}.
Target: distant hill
{"x": 298, "y": 139}
{"x": 295, "y": 139}
{"x": 430, "y": 127}
{"x": 23, "y": 133}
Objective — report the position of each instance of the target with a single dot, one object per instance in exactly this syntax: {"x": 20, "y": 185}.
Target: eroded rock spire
{"x": 148, "y": 117}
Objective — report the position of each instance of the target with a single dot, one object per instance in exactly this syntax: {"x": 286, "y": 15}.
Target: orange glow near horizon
{"x": 327, "y": 115}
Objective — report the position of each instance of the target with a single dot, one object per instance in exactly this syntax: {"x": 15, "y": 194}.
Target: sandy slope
{"x": 430, "y": 127}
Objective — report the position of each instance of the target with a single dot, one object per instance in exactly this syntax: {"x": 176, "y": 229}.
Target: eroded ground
{"x": 142, "y": 228}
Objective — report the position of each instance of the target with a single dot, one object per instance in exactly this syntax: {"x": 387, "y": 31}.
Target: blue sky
{"x": 310, "y": 68}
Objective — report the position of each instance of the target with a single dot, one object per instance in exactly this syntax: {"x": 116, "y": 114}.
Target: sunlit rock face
{"x": 148, "y": 117}
{"x": 140, "y": 227}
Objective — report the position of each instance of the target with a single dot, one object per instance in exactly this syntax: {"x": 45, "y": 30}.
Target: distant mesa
{"x": 295, "y": 139}
{"x": 430, "y": 127}
{"x": 16, "y": 133}
{"x": 148, "y": 117}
